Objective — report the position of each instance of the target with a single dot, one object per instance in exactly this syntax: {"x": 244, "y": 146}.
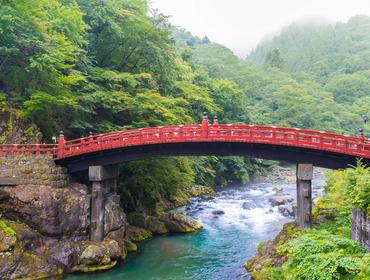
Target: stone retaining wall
{"x": 361, "y": 228}
{"x": 32, "y": 170}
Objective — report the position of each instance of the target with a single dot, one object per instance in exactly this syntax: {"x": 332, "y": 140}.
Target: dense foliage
{"x": 327, "y": 252}
{"x": 92, "y": 65}
{"x": 95, "y": 66}
{"x": 283, "y": 84}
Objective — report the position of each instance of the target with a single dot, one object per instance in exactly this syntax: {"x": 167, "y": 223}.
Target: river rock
{"x": 64, "y": 254}
{"x": 179, "y": 222}
{"x": 94, "y": 254}
{"x": 277, "y": 200}
{"x": 248, "y": 205}
{"x": 286, "y": 210}
{"x": 151, "y": 223}
{"x": 53, "y": 212}
{"x": 218, "y": 212}
{"x": 130, "y": 246}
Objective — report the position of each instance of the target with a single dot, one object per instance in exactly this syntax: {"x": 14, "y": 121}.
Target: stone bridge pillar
{"x": 304, "y": 195}
{"x": 104, "y": 181}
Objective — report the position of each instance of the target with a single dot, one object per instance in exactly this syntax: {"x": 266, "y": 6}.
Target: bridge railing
{"x": 356, "y": 146}
{"x": 27, "y": 149}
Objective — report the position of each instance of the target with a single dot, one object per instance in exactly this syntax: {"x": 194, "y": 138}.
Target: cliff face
{"x": 15, "y": 130}
{"x": 53, "y": 234}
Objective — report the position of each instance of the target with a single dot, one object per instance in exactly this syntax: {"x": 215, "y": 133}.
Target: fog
{"x": 240, "y": 24}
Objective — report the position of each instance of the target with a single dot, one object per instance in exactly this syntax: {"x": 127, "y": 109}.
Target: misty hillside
{"x": 303, "y": 98}
{"x": 319, "y": 51}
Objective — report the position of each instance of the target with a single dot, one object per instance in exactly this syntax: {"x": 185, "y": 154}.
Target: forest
{"x": 96, "y": 66}
{"x": 92, "y": 66}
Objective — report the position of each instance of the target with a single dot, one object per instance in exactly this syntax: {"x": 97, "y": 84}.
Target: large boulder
{"x": 64, "y": 254}
{"x": 151, "y": 223}
{"x": 114, "y": 221}
{"x": 16, "y": 262}
{"x": 137, "y": 234}
{"x": 81, "y": 256}
{"x": 114, "y": 217}
{"x": 286, "y": 210}
{"x": 53, "y": 212}
{"x": 34, "y": 267}
{"x": 248, "y": 205}
{"x": 179, "y": 222}
{"x": 279, "y": 199}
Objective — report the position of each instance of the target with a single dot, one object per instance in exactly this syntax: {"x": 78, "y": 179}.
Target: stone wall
{"x": 32, "y": 170}
{"x": 361, "y": 228}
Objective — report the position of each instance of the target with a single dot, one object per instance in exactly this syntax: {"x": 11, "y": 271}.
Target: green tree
{"x": 274, "y": 59}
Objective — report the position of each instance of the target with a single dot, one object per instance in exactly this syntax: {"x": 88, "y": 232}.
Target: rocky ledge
{"x": 44, "y": 230}
{"x": 52, "y": 237}
{"x": 267, "y": 254}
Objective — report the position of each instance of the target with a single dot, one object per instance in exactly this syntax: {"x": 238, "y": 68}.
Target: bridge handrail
{"x": 326, "y": 141}
{"x": 27, "y": 149}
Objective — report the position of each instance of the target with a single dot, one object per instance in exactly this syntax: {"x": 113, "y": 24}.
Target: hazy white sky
{"x": 240, "y": 24}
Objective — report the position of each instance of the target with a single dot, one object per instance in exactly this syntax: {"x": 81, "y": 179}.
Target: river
{"x": 218, "y": 251}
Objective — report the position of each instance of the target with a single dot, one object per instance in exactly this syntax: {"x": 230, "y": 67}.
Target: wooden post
{"x": 304, "y": 195}
{"x": 61, "y": 144}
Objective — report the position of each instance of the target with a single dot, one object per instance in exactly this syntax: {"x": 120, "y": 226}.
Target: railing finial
{"x": 215, "y": 119}
{"x": 205, "y": 116}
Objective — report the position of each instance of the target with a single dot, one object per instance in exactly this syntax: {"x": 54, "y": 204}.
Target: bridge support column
{"x": 304, "y": 195}
{"x": 104, "y": 181}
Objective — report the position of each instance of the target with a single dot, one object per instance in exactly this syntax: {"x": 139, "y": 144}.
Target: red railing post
{"x": 61, "y": 145}
{"x": 37, "y": 152}
{"x": 204, "y": 128}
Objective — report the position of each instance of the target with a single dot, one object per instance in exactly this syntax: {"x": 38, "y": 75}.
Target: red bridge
{"x": 294, "y": 145}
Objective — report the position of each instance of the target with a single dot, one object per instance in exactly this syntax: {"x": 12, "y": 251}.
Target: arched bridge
{"x": 294, "y": 145}
{"x": 100, "y": 154}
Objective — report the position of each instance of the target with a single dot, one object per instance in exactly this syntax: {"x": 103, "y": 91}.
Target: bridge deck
{"x": 270, "y": 135}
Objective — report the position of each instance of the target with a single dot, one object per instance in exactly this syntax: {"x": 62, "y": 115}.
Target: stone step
{"x": 6, "y": 173}
{"x": 9, "y": 181}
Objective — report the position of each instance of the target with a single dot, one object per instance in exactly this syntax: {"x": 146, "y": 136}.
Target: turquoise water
{"x": 217, "y": 252}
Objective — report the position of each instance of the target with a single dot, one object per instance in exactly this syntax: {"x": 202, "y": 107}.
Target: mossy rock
{"x": 86, "y": 269}
{"x": 136, "y": 234}
{"x": 147, "y": 222}
{"x": 130, "y": 246}
{"x": 180, "y": 223}
{"x": 35, "y": 267}
{"x": 94, "y": 254}
{"x": 268, "y": 252}
{"x": 8, "y": 240}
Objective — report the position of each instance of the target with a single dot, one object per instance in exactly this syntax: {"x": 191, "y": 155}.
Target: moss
{"x": 130, "y": 246}
{"x": 9, "y": 127}
{"x": 84, "y": 268}
{"x": 268, "y": 254}
{"x": 136, "y": 234}
{"x": 260, "y": 247}
{"x": 8, "y": 230}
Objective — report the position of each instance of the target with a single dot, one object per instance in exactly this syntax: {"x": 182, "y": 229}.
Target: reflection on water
{"x": 217, "y": 252}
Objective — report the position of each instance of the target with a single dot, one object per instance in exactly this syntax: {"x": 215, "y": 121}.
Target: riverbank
{"x": 230, "y": 235}
{"x": 44, "y": 230}
{"x": 324, "y": 252}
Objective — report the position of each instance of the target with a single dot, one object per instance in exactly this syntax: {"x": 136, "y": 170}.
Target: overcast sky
{"x": 240, "y": 24}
